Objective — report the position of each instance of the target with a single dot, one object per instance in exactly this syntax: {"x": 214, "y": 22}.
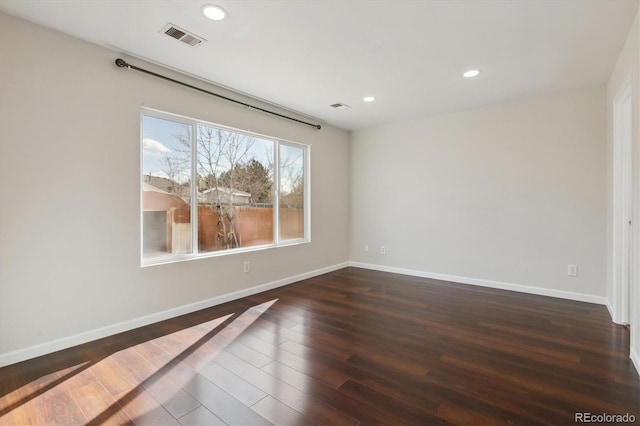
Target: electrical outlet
{"x": 246, "y": 267}
{"x": 572, "y": 270}
{"x": 366, "y": 247}
{"x": 383, "y": 250}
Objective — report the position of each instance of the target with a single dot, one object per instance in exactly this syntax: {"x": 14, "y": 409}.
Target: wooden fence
{"x": 253, "y": 226}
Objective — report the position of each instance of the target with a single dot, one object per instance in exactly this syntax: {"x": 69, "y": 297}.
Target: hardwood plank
{"x": 12, "y": 391}
{"x": 349, "y": 347}
{"x": 553, "y": 385}
{"x": 316, "y": 410}
{"x": 116, "y": 379}
{"x": 231, "y": 383}
{"x": 252, "y": 356}
{"x": 143, "y": 409}
{"x": 175, "y": 400}
{"x": 269, "y": 332}
{"x": 166, "y": 388}
{"x": 399, "y": 411}
{"x": 22, "y": 415}
{"x": 263, "y": 380}
{"x": 465, "y": 416}
{"x": 58, "y": 407}
{"x": 223, "y": 405}
{"x": 472, "y": 392}
{"x": 278, "y": 413}
{"x": 300, "y": 380}
{"x": 201, "y": 417}
{"x": 95, "y": 401}
{"x": 17, "y": 405}
{"x": 361, "y": 412}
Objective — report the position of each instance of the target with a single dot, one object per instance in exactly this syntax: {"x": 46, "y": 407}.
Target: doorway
{"x": 622, "y": 205}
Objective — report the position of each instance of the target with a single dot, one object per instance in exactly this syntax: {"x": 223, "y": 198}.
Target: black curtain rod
{"x": 123, "y": 64}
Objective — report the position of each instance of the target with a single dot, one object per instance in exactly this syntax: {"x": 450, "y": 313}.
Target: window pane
{"x": 291, "y": 192}
{"x": 235, "y": 189}
{"x": 166, "y": 189}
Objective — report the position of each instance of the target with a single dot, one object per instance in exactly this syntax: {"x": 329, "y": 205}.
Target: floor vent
{"x": 182, "y": 35}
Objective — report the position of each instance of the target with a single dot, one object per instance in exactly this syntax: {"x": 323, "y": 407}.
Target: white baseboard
{"x": 609, "y": 308}
{"x": 635, "y": 359}
{"x": 84, "y": 337}
{"x": 87, "y": 336}
{"x": 487, "y": 283}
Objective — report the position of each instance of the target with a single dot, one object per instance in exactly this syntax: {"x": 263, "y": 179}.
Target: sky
{"x": 161, "y": 140}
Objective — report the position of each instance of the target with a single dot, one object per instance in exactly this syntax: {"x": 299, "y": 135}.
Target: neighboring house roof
{"x": 155, "y": 199}
{"x": 222, "y": 194}
{"x": 166, "y": 184}
{"x": 228, "y": 191}
{"x": 149, "y": 187}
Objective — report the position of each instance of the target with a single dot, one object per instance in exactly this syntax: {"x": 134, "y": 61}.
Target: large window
{"x": 208, "y": 189}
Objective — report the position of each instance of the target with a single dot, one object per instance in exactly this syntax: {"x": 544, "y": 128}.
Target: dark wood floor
{"x": 346, "y": 348}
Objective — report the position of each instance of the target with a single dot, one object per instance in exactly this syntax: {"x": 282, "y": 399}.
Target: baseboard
{"x": 486, "y": 283}
{"x": 87, "y": 336}
{"x": 80, "y": 338}
{"x": 609, "y": 308}
{"x": 635, "y": 359}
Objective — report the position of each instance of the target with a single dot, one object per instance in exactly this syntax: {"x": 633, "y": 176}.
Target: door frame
{"x": 622, "y": 204}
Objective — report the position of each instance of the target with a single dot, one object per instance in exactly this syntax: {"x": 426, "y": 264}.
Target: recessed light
{"x": 213, "y": 12}
{"x": 471, "y": 73}
{"x": 369, "y": 99}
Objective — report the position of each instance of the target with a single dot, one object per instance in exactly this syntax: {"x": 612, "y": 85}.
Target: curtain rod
{"x": 123, "y": 64}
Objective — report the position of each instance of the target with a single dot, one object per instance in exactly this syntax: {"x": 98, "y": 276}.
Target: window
{"x": 209, "y": 189}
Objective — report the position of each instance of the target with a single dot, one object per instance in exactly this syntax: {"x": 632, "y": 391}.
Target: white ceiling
{"x": 307, "y": 54}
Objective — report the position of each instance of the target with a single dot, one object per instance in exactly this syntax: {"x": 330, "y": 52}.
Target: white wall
{"x": 69, "y": 196}
{"x": 507, "y": 195}
{"x": 625, "y": 72}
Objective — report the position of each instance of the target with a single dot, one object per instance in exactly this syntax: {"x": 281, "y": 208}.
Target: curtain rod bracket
{"x": 121, "y": 63}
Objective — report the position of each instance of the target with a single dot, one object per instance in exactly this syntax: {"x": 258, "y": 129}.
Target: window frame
{"x": 193, "y": 202}
{"x": 306, "y": 195}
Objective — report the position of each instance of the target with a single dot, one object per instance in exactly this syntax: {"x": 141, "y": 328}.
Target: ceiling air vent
{"x": 182, "y": 35}
{"x": 340, "y": 105}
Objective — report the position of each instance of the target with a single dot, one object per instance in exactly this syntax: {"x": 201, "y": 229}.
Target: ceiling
{"x": 308, "y": 54}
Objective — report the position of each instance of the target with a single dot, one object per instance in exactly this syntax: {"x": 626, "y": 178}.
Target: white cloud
{"x": 153, "y": 147}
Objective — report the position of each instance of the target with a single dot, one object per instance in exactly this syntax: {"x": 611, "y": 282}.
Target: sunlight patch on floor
{"x": 137, "y": 379}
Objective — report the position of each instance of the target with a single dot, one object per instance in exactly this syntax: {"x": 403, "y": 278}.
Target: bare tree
{"x": 226, "y": 163}
{"x": 220, "y": 151}
{"x": 176, "y": 168}
{"x": 291, "y": 177}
